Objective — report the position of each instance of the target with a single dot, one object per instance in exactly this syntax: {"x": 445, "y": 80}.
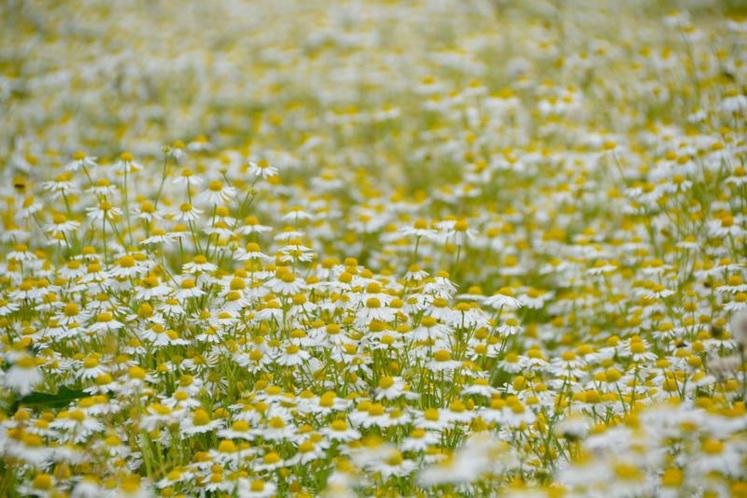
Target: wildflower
{"x": 419, "y": 229}
{"x": 255, "y": 489}
{"x": 188, "y": 179}
{"x": 199, "y": 423}
{"x": 80, "y": 160}
{"x": 503, "y": 299}
{"x": 61, "y": 225}
{"x": 199, "y": 264}
{"x": 262, "y": 169}
{"x": 251, "y": 252}
{"x": 127, "y": 164}
{"x": 23, "y": 376}
{"x": 420, "y": 439}
{"x": 739, "y": 328}
{"x": 573, "y": 427}
{"x": 104, "y": 211}
{"x": 339, "y": 430}
{"x": 251, "y": 225}
{"x": 217, "y": 193}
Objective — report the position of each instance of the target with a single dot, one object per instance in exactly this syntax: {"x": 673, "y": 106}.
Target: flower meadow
{"x": 373, "y": 248}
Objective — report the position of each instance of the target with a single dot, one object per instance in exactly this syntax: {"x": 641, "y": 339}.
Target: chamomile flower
{"x": 256, "y": 488}
{"x": 199, "y": 422}
{"x": 80, "y": 160}
{"x": 262, "y": 169}
{"x": 217, "y": 193}
{"x": 187, "y": 213}
{"x": 199, "y": 264}
{"x": 251, "y": 225}
{"x": 503, "y": 299}
{"x": 339, "y": 430}
{"x": 23, "y": 376}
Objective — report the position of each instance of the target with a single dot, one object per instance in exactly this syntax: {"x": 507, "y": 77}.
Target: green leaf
{"x": 46, "y": 400}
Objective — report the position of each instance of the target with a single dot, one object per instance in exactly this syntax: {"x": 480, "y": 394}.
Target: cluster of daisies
{"x": 299, "y": 248}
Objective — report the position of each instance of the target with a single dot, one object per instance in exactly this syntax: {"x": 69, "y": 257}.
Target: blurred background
{"x": 287, "y": 75}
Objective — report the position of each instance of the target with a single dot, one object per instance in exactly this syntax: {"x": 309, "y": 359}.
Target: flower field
{"x": 373, "y": 248}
